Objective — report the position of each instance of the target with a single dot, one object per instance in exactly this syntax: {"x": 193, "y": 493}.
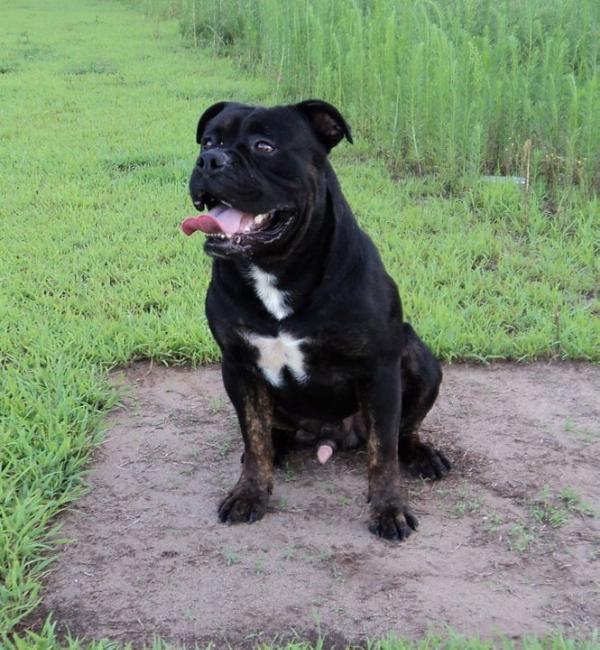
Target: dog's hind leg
{"x": 284, "y": 441}
{"x": 421, "y": 379}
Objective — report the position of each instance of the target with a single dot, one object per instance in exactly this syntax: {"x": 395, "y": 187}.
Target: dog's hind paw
{"x": 244, "y": 504}
{"x": 425, "y": 461}
{"x": 433, "y": 465}
{"x": 392, "y": 525}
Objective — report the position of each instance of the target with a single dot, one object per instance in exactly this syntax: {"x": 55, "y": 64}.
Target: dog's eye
{"x": 264, "y": 147}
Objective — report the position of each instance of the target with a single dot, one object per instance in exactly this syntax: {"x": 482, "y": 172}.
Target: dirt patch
{"x": 509, "y": 543}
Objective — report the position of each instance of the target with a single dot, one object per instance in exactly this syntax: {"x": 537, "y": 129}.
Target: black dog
{"x": 309, "y": 323}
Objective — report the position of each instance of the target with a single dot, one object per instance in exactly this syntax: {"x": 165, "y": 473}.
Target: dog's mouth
{"x": 227, "y": 227}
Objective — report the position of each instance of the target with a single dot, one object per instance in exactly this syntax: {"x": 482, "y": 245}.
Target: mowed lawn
{"x": 98, "y": 107}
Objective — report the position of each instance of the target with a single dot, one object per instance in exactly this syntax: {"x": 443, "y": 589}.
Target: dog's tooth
{"x": 259, "y": 218}
{"x": 228, "y": 235}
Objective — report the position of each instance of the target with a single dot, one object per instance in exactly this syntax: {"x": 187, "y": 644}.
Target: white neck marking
{"x": 274, "y": 300}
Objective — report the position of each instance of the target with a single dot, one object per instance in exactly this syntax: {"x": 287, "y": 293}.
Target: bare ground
{"x": 509, "y": 543}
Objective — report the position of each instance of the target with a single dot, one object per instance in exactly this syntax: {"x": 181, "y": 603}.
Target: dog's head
{"x": 260, "y": 174}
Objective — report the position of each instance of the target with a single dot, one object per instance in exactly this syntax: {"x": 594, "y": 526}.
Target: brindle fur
{"x": 247, "y": 502}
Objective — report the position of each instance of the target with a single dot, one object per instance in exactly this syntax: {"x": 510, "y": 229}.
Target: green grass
{"x": 48, "y": 640}
{"x": 98, "y": 107}
{"x": 555, "y": 510}
{"x": 451, "y": 87}
{"x": 97, "y": 143}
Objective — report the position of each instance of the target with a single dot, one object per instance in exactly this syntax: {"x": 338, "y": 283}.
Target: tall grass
{"x": 465, "y": 87}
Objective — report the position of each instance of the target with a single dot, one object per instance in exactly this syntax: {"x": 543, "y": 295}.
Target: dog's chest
{"x": 276, "y": 353}
{"x": 284, "y": 351}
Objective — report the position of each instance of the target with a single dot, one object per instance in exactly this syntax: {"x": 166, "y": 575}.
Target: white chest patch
{"x": 274, "y": 300}
{"x": 276, "y": 353}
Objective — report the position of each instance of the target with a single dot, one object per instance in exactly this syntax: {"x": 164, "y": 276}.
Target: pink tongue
{"x": 220, "y": 219}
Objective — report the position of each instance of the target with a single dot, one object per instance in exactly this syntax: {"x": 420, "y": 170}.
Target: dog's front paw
{"x": 390, "y": 524}
{"x": 425, "y": 461}
{"x": 245, "y": 503}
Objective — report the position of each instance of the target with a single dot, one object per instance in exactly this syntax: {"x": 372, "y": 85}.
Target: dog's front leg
{"x": 382, "y": 403}
{"x": 247, "y": 501}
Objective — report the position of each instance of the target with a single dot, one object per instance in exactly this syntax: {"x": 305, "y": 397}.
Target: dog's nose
{"x": 211, "y": 160}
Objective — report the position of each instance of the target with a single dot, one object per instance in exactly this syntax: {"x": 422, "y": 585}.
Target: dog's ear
{"x": 209, "y": 113}
{"x": 326, "y": 121}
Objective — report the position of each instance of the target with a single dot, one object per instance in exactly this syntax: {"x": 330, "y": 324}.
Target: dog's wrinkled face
{"x": 260, "y": 174}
